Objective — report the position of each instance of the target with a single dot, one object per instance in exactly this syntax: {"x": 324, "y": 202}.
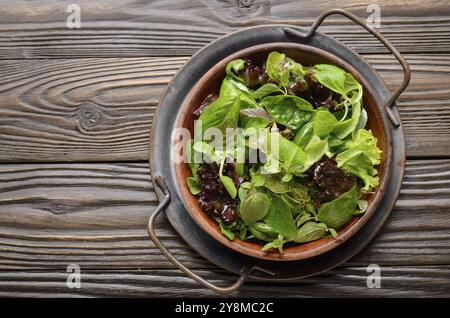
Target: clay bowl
{"x": 306, "y": 55}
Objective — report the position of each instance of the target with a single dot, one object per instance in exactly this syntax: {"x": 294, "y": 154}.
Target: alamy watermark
{"x": 374, "y": 278}
{"x": 228, "y": 145}
{"x": 74, "y": 19}
{"x": 374, "y": 18}
{"x": 74, "y": 276}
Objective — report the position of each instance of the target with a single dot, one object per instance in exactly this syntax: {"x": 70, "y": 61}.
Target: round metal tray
{"x": 163, "y": 173}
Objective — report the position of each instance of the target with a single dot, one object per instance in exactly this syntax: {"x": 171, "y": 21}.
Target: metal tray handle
{"x": 379, "y": 36}
{"x": 152, "y": 233}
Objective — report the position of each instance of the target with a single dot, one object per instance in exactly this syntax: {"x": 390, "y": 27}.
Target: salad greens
{"x": 290, "y": 111}
{"x": 316, "y": 162}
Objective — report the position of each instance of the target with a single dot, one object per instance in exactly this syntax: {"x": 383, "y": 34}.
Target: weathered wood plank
{"x": 128, "y": 28}
{"x": 80, "y": 110}
{"x": 95, "y": 215}
{"x": 424, "y": 106}
{"x": 102, "y": 109}
{"x": 198, "y": 12}
{"x": 398, "y": 281}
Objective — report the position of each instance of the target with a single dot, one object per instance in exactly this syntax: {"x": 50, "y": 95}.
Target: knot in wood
{"x": 252, "y": 6}
{"x": 56, "y": 208}
{"x": 88, "y": 115}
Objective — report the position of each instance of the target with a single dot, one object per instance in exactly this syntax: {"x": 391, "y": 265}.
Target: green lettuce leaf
{"x": 276, "y": 68}
{"x": 351, "y": 91}
{"x": 194, "y": 186}
{"x": 223, "y": 113}
{"x": 291, "y": 156}
{"x": 254, "y": 206}
{"x": 330, "y": 76}
{"x": 315, "y": 150}
{"x": 279, "y": 218}
{"x": 338, "y": 212}
{"x": 304, "y": 135}
{"x": 346, "y": 127}
{"x": 279, "y": 68}
{"x": 288, "y": 110}
{"x": 235, "y": 66}
{"x": 263, "y": 231}
{"x": 231, "y": 87}
{"x": 364, "y": 141}
{"x": 227, "y": 182}
{"x": 275, "y": 244}
{"x": 274, "y": 183}
{"x": 360, "y": 156}
{"x": 311, "y": 231}
{"x": 324, "y": 123}
{"x": 266, "y": 89}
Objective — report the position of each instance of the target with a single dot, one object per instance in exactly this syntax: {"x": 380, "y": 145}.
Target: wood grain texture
{"x": 80, "y": 110}
{"x": 95, "y": 215}
{"x": 102, "y": 109}
{"x": 398, "y": 281}
{"x": 130, "y": 28}
{"x": 89, "y": 95}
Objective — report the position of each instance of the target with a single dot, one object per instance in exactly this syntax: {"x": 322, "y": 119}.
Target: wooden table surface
{"x": 76, "y": 108}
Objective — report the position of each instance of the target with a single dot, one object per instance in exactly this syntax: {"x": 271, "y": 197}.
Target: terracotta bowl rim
{"x": 327, "y": 243}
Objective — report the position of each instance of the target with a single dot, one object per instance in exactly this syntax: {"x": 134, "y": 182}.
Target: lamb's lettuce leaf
{"x": 311, "y": 231}
{"x": 227, "y": 182}
{"x": 255, "y": 117}
{"x": 193, "y": 185}
{"x": 275, "y": 244}
{"x": 338, "y": 212}
{"x": 304, "y": 135}
{"x": 233, "y": 67}
{"x": 208, "y": 152}
{"x": 288, "y": 110}
{"x": 315, "y": 150}
{"x": 223, "y": 113}
{"x": 266, "y": 89}
{"x": 291, "y": 156}
{"x": 231, "y": 87}
{"x": 346, "y": 127}
{"x": 324, "y": 123}
{"x": 274, "y": 183}
{"x": 225, "y": 230}
{"x": 279, "y": 218}
{"x": 331, "y": 77}
{"x": 263, "y": 231}
{"x": 254, "y": 206}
